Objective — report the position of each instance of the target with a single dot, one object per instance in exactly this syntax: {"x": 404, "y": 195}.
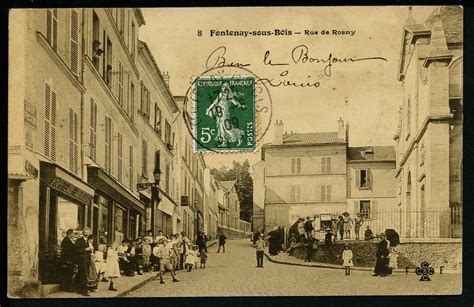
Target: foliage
{"x": 241, "y": 173}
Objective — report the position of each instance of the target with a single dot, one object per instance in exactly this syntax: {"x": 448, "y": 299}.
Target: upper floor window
{"x": 74, "y": 35}
{"x": 97, "y": 49}
{"x": 326, "y": 165}
{"x": 145, "y": 102}
{"x": 49, "y": 122}
{"x": 144, "y": 158}
{"x": 167, "y": 133}
{"x": 52, "y": 28}
{"x": 132, "y": 39}
{"x": 325, "y": 193}
{"x": 295, "y": 193}
{"x": 456, "y": 90}
{"x": 107, "y": 62}
{"x": 108, "y": 144}
{"x": 364, "y": 179}
{"x": 93, "y": 130}
{"x": 157, "y": 120}
{"x": 295, "y": 166}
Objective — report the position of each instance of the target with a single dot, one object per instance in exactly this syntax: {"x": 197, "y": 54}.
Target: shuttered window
{"x": 157, "y": 120}
{"x": 325, "y": 193}
{"x": 93, "y": 130}
{"x": 73, "y": 146}
{"x": 144, "y": 158}
{"x": 131, "y": 111}
{"x": 119, "y": 157}
{"x": 120, "y": 84}
{"x": 49, "y": 122}
{"x": 130, "y": 167}
{"x": 74, "y": 41}
{"x": 52, "y": 28}
{"x": 108, "y": 144}
{"x": 326, "y": 165}
{"x": 295, "y": 193}
{"x": 364, "y": 179}
{"x": 167, "y": 133}
{"x": 295, "y": 166}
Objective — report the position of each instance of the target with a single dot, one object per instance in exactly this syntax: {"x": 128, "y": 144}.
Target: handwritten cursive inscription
{"x": 217, "y": 59}
{"x": 300, "y": 54}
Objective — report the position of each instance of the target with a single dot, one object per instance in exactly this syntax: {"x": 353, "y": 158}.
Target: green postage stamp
{"x": 225, "y": 114}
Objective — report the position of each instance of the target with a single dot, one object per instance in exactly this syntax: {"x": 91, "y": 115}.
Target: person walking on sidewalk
{"x": 222, "y": 239}
{"x": 260, "y": 248}
{"x": 308, "y": 227}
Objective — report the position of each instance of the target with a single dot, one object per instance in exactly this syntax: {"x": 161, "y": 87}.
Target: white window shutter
{"x": 328, "y": 193}
{"x": 74, "y": 41}
{"x": 53, "y": 126}
{"x": 323, "y": 193}
{"x": 370, "y": 181}
{"x": 357, "y": 176}
{"x": 373, "y": 209}
{"x": 328, "y": 165}
{"x": 298, "y": 165}
{"x": 71, "y": 143}
{"x": 323, "y": 165}
{"x": 293, "y": 162}
{"x": 47, "y": 119}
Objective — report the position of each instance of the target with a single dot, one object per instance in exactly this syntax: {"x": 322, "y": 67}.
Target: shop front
{"x": 65, "y": 201}
{"x": 164, "y": 215}
{"x": 117, "y": 214}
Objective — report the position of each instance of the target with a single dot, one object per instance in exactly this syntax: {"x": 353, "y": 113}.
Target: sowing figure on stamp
{"x": 219, "y": 109}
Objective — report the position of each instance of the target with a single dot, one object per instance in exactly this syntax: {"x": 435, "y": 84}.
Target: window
{"x": 167, "y": 133}
{"x": 364, "y": 179}
{"x": 295, "y": 193}
{"x": 120, "y": 84}
{"x": 73, "y": 147}
{"x": 456, "y": 90}
{"x": 364, "y": 209}
{"x": 132, "y": 45}
{"x": 131, "y": 111}
{"x": 119, "y": 157}
{"x": 120, "y": 223}
{"x": 49, "y": 122}
{"x": 167, "y": 178}
{"x": 96, "y": 48}
{"x": 107, "y": 66}
{"x": 295, "y": 166}
{"x": 325, "y": 193}
{"x": 326, "y": 165}
{"x": 144, "y": 158}
{"x": 52, "y": 28}
{"x": 145, "y": 102}
{"x": 157, "y": 120}
{"x": 93, "y": 130}
{"x": 74, "y": 41}
{"x": 130, "y": 168}
{"x": 108, "y": 144}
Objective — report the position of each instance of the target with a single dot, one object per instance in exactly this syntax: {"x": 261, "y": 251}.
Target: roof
{"x": 452, "y": 21}
{"x": 228, "y": 185}
{"x": 311, "y": 138}
{"x": 380, "y": 153}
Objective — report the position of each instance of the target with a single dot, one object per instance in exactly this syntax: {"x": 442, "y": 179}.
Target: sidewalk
{"x": 124, "y": 285}
{"x": 284, "y": 258}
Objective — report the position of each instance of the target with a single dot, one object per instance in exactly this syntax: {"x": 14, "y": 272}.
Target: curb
{"x": 340, "y": 267}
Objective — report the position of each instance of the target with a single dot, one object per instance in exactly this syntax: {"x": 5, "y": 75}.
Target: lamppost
{"x": 155, "y": 194}
{"x": 196, "y": 211}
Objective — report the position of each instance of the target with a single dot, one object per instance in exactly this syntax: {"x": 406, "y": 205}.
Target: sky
{"x": 373, "y": 93}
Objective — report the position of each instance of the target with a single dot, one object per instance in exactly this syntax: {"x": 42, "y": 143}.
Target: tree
{"x": 244, "y": 185}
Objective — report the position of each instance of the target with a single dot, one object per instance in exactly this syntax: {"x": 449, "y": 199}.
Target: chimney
{"x": 340, "y": 128}
{"x": 410, "y": 20}
{"x": 278, "y": 138}
{"x": 166, "y": 78}
{"x": 347, "y": 132}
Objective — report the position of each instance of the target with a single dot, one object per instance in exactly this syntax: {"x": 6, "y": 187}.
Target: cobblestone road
{"x": 234, "y": 274}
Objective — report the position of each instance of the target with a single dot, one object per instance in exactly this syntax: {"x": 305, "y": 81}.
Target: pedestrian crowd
{"x": 86, "y": 261}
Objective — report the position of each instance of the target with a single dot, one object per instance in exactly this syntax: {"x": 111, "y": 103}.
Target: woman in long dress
{"x": 92, "y": 280}
{"x": 219, "y": 109}
{"x": 99, "y": 258}
{"x": 112, "y": 269}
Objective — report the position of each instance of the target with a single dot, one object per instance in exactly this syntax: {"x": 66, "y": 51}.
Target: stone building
{"x": 429, "y": 136}
{"x": 319, "y": 175}
{"x": 156, "y": 115}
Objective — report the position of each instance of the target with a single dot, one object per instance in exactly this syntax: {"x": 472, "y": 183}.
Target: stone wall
{"x": 411, "y": 254}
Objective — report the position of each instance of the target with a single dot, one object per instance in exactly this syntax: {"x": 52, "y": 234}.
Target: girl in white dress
{"x": 393, "y": 256}
{"x": 100, "y": 262}
{"x": 112, "y": 269}
{"x": 347, "y": 258}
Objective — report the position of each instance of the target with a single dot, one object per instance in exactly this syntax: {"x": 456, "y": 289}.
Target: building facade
{"x": 90, "y": 117}
{"x": 319, "y": 175}
{"x": 429, "y": 136}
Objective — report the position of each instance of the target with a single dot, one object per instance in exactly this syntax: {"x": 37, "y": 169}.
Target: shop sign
{"x": 144, "y": 185}
{"x": 67, "y": 188}
{"x": 30, "y": 114}
{"x": 14, "y": 150}
{"x": 30, "y": 169}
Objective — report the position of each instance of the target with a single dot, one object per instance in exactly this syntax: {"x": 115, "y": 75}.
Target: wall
{"x": 411, "y": 255}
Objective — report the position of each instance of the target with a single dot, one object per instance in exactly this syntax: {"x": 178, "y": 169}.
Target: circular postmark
{"x": 227, "y": 109}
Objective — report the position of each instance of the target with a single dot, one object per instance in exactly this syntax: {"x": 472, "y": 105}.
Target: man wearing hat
{"x": 381, "y": 266}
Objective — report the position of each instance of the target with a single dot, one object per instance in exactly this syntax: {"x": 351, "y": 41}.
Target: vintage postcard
{"x": 235, "y": 151}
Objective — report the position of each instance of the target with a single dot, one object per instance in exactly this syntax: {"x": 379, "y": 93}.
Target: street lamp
{"x": 197, "y": 217}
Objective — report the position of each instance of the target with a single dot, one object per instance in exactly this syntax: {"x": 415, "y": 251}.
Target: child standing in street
{"x": 112, "y": 269}
{"x": 203, "y": 256}
{"x": 347, "y": 258}
{"x": 260, "y": 247}
{"x": 191, "y": 259}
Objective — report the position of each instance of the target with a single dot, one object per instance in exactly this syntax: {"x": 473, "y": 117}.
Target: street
{"x": 234, "y": 274}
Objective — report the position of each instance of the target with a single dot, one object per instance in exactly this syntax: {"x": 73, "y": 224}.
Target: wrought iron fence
{"x": 427, "y": 224}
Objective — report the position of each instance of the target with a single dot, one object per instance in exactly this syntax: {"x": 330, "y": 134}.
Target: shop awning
{"x": 221, "y": 207}
{"x": 102, "y": 181}
{"x": 166, "y": 206}
{"x": 63, "y": 181}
